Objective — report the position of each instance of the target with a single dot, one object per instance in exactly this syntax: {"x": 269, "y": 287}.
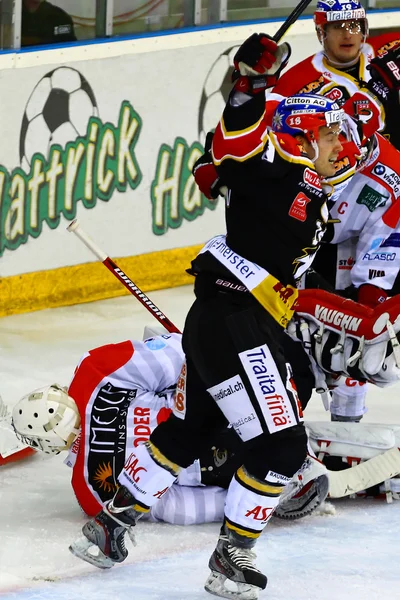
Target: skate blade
{"x": 215, "y": 584}
{"x": 80, "y": 548}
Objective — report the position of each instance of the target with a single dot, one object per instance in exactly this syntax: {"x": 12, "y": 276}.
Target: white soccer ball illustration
{"x": 215, "y": 92}
{"x": 57, "y": 112}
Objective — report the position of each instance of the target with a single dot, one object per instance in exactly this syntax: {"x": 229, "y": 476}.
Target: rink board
{"x": 108, "y": 132}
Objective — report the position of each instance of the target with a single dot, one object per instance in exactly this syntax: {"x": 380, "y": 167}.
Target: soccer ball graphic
{"x": 57, "y": 112}
{"x": 215, "y": 92}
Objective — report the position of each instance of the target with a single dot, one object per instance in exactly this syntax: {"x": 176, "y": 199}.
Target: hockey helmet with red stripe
{"x": 349, "y": 14}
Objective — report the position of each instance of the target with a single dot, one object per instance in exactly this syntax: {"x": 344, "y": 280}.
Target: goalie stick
{"x": 341, "y": 483}
{"x": 365, "y": 475}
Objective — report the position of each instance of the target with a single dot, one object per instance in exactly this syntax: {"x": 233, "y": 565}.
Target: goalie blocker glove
{"x": 349, "y": 339}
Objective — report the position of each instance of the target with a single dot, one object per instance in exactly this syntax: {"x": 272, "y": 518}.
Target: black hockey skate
{"x": 230, "y": 563}
{"x": 103, "y": 540}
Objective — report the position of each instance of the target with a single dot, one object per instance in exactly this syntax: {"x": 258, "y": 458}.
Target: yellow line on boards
{"x": 92, "y": 281}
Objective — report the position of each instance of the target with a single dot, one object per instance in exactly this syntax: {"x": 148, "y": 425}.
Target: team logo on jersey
{"x": 312, "y": 178}
{"x": 371, "y": 198}
{"x": 220, "y": 457}
{"x": 298, "y": 210}
{"x": 362, "y": 109}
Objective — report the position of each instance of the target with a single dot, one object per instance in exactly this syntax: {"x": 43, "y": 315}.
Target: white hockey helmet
{"x": 47, "y": 419}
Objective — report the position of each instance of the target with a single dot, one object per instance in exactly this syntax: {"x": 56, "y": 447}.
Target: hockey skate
{"x": 233, "y": 573}
{"x": 103, "y": 540}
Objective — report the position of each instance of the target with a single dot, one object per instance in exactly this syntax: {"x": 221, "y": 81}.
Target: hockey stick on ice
{"x": 75, "y": 227}
{"x": 365, "y": 475}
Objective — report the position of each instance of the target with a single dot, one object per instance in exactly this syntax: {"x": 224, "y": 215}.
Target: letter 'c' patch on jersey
{"x": 298, "y": 210}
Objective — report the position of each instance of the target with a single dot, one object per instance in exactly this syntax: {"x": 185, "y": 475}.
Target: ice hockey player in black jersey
{"x": 238, "y": 356}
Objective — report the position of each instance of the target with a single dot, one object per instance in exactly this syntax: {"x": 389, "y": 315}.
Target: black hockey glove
{"x": 386, "y": 68}
{"x": 259, "y": 62}
{"x": 385, "y": 74}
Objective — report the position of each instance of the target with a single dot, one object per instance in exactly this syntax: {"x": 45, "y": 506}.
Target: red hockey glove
{"x": 259, "y": 57}
{"x": 371, "y": 295}
{"x": 205, "y": 173}
{"x": 386, "y": 68}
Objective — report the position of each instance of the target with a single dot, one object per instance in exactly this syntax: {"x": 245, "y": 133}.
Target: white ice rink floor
{"x": 350, "y": 555}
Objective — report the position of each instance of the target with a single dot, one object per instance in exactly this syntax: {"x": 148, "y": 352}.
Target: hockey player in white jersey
{"x": 359, "y": 257}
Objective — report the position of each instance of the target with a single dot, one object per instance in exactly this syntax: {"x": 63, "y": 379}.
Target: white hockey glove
{"x": 346, "y": 338}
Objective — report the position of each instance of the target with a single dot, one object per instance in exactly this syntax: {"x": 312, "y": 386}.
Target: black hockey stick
{"x": 292, "y": 18}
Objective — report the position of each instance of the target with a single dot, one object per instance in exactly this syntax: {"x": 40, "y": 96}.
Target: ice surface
{"x": 350, "y": 555}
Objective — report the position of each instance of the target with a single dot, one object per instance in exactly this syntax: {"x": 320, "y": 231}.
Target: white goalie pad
{"x": 351, "y": 440}
{"x": 373, "y": 448}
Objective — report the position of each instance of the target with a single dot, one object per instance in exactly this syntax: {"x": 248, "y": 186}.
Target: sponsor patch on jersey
{"x": 269, "y": 389}
{"x": 313, "y": 86}
{"x": 233, "y": 400}
{"x": 384, "y": 256}
{"x": 155, "y": 344}
{"x": 375, "y": 273}
{"x": 371, "y": 198}
{"x": 334, "y": 94}
{"x": 392, "y": 241}
{"x": 342, "y": 165}
{"x": 179, "y": 408}
{"x": 312, "y": 178}
{"x": 346, "y": 264}
{"x": 107, "y": 436}
{"x": 298, "y": 210}
{"x": 383, "y": 50}
{"x": 390, "y": 177}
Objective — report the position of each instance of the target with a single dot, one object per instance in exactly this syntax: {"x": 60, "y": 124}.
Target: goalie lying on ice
{"x": 120, "y": 392}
